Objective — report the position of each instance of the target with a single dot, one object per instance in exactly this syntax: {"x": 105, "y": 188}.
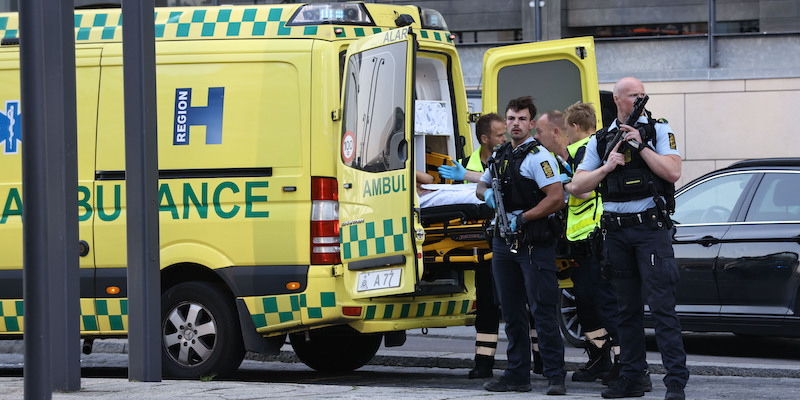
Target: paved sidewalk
{"x": 725, "y": 378}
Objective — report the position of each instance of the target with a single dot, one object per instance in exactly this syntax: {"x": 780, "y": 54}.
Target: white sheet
{"x": 449, "y": 194}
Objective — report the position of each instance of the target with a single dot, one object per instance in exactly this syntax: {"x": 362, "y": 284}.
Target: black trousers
{"x": 487, "y": 314}
{"x": 642, "y": 257}
{"x": 595, "y": 300}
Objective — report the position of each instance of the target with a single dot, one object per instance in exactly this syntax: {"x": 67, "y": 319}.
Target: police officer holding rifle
{"x": 530, "y": 193}
{"x": 637, "y": 186}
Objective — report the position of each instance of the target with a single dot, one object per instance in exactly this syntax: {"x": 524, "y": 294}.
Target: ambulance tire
{"x": 334, "y": 349}
{"x": 571, "y": 329}
{"x": 201, "y": 309}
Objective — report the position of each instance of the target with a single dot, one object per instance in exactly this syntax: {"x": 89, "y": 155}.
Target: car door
{"x": 704, "y": 211}
{"x": 757, "y": 268}
{"x": 379, "y": 244}
{"x": 555, "y": 73}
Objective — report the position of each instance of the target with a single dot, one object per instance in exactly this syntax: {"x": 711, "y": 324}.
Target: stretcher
{"x": 459, "y": 234}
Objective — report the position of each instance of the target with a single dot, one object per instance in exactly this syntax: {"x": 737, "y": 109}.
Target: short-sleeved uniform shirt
{"x": 664, "y": 144}
{"x": 542, "y": 167}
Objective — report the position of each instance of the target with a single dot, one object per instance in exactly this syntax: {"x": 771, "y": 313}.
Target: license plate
{"x": 382, "y": 279}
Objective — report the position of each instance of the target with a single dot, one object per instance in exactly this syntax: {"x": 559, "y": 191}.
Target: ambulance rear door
{"x": 375, "y": 175}
{"x": 555, "y": 73}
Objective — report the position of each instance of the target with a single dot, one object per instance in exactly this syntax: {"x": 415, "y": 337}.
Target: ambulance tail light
{"x": 324, "y": 221}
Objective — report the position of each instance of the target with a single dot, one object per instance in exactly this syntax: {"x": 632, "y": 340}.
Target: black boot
{"x": 483, "y": 367}
{"x": 611, "y": 376}
{"x": 598, "y": 365}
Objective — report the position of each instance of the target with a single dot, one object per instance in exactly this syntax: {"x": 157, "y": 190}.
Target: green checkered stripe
{"x": 437, "y": 36}
{"x": 417, "y": 310}
{"x": 11, "y": 312}
{"x": 373, "y": 238}
{"x": 9, "y": 27}
{"x": 96, "y": 315}
{"x": 194, "y": 23}
{"x": 282, "y": 309}
{"x": 112, "y": 314}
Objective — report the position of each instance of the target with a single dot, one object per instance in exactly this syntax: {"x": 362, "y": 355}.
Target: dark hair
{"x": 522, "y": 103}
{"x": 484, "y": 125}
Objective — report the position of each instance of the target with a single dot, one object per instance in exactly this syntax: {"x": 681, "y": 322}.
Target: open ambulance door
{"x": 555, "y": 73}
{"x": 376, "y": 174}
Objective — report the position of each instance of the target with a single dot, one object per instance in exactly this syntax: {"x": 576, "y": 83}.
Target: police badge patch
{"x": 548, "y": 172}
{"x": 672, "y": 144}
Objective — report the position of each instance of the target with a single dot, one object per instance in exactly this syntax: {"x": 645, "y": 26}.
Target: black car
{"x": 737, "y": 245}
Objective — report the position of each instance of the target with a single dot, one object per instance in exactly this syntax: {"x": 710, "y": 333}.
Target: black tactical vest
{"x": 519, "y": 192}
{"x": 635, "y": 180}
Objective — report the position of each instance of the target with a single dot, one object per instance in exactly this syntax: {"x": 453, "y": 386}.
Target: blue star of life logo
{"x": 10, "y": 131}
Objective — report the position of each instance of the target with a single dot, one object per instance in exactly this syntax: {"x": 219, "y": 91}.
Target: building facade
{"x": 728, "y": 95}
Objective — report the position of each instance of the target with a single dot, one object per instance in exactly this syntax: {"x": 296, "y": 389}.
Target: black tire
{"x": 571, "y": 328}
{"x": 200, "y": 332}
{"x": 335, "y": 350}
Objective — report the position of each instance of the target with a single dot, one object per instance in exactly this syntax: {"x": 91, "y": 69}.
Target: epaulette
{"x": 532, "y": 146}
{"x": 662, "y": 121}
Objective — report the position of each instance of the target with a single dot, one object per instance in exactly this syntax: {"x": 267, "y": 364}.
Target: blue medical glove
{"x": 455, "y": 172}
{"x": 488, "y": 197}
{"x": 565, "y": 179}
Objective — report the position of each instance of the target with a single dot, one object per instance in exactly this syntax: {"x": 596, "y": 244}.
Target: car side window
{"x": 777, "y": 199}
{"x": 711, "y": 201}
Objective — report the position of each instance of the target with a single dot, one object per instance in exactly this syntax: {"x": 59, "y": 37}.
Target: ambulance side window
{"x": 374, "y": 109}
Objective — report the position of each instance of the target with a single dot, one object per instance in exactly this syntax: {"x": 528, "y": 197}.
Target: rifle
{"x": 500, "y": 210}
{"x": 638, "y": 107}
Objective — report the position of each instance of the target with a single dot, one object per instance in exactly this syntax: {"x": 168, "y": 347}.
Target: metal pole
{"x": 712, "y": 29}
{"x": 50, "y": 198}
{"x": 141, "y": 186}
{"x": 537, "y": 16}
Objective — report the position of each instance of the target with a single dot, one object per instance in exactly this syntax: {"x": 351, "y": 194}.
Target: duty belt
{"x": 616, "y": 221}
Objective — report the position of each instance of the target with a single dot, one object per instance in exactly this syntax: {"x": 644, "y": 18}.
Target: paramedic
{"x": 595, "y": 301}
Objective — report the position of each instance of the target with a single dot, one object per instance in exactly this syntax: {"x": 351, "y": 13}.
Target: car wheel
{"x": 200, "y": 332}
{"x": 571, "y": 328}
{"x": 334, "y": 350}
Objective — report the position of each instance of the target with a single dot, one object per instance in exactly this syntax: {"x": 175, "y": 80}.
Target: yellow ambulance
{"x": 288, "y": 137}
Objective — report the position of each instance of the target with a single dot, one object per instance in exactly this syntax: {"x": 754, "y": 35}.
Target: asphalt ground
{"x": 425, "y": 371}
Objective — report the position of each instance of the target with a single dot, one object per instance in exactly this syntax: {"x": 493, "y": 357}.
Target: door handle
{"x": 347, "y": 185}
{"x": 708, "y": 241}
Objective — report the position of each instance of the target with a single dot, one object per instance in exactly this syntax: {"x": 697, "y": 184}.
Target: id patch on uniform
{"x": 672, "y": 144}
{"x": 548, "y": 172}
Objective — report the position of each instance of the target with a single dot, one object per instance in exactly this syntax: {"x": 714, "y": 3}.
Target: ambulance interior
{"x": 455, "y": 234}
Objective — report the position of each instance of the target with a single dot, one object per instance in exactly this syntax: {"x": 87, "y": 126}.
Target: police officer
{"x": 524, "y": 270}
{"x": 491, "y": 132}
{"x": 637, "y": 186}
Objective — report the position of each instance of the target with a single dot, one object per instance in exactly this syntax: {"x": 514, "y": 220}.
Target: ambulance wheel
{"x": 200, "y": 333}
{"x": 334, "y": 349}
{"x": 571, "y": 328}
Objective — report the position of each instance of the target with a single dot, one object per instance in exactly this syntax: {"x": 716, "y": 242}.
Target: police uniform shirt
{"x": 664, "y": 144}
{"x": 542, "y": 167}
